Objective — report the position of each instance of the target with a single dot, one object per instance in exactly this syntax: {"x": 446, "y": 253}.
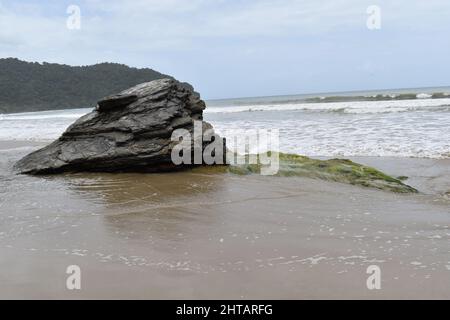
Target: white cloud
{"x": 201, "y": 37}
{"x": 156, "y": 24}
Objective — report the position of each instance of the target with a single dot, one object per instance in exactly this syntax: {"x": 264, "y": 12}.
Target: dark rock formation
{"x": 130, "y": 131}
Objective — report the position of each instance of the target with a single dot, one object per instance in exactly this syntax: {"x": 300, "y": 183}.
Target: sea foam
{"x": 400, "y": 128}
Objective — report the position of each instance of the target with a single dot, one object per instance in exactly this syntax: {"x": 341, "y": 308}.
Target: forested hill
{"x": 31, "y": 86}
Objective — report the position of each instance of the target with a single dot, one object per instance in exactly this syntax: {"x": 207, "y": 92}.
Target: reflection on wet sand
{"x": 159, "y": 205}
{"x": 135, "y": 189}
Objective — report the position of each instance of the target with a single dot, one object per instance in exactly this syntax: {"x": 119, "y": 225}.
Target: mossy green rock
{"x": 339, "y": 170}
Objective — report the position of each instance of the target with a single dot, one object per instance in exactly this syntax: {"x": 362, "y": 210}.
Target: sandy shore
{"x": 190, "y": 235}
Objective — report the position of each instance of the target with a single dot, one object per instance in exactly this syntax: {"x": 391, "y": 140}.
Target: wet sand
{"x": 192, "y": 235}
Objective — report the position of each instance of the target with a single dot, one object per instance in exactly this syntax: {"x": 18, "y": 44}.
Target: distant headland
{"x": 32, "y": 86}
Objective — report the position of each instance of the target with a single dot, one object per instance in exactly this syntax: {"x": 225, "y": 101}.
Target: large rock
{"x": 129, "y": 131}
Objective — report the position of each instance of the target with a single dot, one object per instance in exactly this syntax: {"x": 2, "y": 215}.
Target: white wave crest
{"x": 344, "y": 107}
{"x": 43, "y": 115}
{"x": 424, "y": 96}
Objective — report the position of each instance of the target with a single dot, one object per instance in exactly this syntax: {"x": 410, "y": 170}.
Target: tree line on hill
{"x": 32, "y": 86}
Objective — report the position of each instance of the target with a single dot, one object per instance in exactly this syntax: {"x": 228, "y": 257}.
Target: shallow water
{"x": 196, "y": 235}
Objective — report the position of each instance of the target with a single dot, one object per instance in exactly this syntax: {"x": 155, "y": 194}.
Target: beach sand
{"x": 191, "y": 235}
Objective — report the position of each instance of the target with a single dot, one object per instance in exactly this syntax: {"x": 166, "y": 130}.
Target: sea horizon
{"x": 350, "y": 93}
{"x": 302, "y": 97}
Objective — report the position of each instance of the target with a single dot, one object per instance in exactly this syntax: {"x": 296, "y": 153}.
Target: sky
{"x": 243, "y": 48}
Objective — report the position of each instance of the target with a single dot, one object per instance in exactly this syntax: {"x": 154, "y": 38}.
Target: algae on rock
{"x": 339, "y": 170}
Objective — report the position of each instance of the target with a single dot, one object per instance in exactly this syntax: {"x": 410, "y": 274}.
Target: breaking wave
{"x": 359, "y": 107}
{"x": 398, "y": 128}
{"x": 44, "y": 115}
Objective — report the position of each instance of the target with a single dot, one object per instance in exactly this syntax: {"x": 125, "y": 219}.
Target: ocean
{"x": 172, "y": 235}
{"x": 393, "y": 123}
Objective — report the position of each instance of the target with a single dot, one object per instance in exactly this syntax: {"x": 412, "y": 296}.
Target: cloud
{"x": 247, "y": 40}
{"x": 170, "y": 21}
{"x": 155, "y": 24}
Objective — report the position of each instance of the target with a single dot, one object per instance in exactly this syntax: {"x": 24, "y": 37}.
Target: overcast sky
{"x": 241, "y": 48}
